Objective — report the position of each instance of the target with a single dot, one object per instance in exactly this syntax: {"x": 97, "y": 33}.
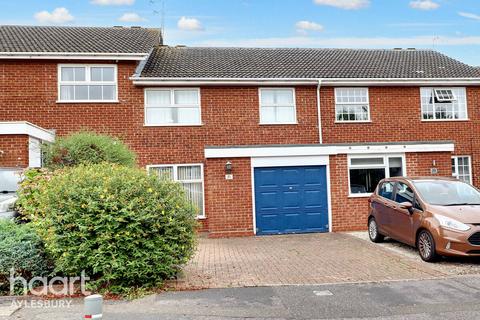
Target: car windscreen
{"x": 447, "y": 193}
{"x": 9, "y": 179}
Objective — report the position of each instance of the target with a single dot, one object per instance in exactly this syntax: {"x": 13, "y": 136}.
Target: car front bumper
{"x": 456, "y": 243}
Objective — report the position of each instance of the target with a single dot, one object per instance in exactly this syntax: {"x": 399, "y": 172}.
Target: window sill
{"x": 360, "y": 195}
{"x": 201, "y": 217}
{"x": 445, "y": 120}
{"x": 175, "y": 125}
{"x": 88, "y": 101}
{"x": 278, "y": 124}
{"x": 352, "y": 122}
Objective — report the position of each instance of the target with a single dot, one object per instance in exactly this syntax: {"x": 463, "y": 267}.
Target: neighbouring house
{"x": 264, "y": 141}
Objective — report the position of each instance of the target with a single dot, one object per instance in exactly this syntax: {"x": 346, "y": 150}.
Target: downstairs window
{"x": 366, "y": 172}
{"x": 189, "y": 176}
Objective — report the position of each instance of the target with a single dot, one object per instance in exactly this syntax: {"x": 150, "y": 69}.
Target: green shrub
{"x": 22, "y": 250}
{"x": 86, "y": 148}
{"x": 126, "y": 229}
{"x": 30, "y": 189}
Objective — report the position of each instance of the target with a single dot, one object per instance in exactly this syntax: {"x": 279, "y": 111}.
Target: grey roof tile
{"x": 242, "y": 63}
{"x": 38, "y": 39}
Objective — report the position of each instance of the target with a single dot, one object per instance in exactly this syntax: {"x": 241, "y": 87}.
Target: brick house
{"x": 265, "y": 141}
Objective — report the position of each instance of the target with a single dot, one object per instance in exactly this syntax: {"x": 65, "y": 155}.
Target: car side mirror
{"x": 407, "y": 206}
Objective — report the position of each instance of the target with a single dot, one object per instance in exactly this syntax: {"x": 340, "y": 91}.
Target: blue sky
{"x": 450, "y": 26}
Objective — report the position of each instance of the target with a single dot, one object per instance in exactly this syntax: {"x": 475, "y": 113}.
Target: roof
{"x": 115, "y": 40}
{"x": 298, "y": 63}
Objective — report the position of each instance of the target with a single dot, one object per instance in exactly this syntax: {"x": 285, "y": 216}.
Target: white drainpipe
{"x": 319, "y": 112}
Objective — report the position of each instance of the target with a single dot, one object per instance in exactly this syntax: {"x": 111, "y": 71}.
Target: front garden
{"x": 91, "y": 210}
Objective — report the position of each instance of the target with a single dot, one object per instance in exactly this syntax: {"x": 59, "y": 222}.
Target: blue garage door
{"x": 291, "y": 200}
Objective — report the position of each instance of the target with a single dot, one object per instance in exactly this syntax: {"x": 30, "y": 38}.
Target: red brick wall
{"x": 229, "y": 202}
{"x": 13, "y": 151}
{"x": 420, "y": 164}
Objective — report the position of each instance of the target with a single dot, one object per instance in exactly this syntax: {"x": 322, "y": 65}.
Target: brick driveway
{"x": 296, "y": 259}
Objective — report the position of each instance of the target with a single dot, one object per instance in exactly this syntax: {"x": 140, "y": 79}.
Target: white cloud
{"x": 305, "y": 26}
{"x": 113, "y": 2}
{"x": 57, "y": 16}
{"x": 469, "y": 15}
{"x": 189, "y": 24}
{"x": 374, "y": 42}
{"x": 131, "y": 17}
{"x": 424, "y": 5}
{"x": 344, "y": 4}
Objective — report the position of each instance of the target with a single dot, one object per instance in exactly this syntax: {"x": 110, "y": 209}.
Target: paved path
{"x": 296, "y": 260}
{"x": 454, "y": 298}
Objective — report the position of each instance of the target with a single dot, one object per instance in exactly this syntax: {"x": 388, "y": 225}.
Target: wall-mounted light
{"x": 228, "y": 168}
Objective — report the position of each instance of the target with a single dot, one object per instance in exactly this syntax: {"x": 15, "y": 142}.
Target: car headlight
{"x": 450, "y": 223}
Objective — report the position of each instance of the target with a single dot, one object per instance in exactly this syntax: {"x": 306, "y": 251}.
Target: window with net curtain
{"x": 461, "y": 168}
{"x": 190, "y": 177}
{"x": 444, "y": 103}
{"x": 172, "y": 107}
{"x": 277, "y": 106}
{"x": 351, "y": 104}
{"x": 87, "y": 83}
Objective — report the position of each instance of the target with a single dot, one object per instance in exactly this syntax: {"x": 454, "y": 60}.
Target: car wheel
{"x": 373, "y": 233}
{"x": 426, "y": 246}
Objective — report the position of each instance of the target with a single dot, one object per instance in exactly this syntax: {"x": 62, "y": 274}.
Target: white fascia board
{"x": 145, "y": 81}
{"x": 318, "y": 150}
{"x": 73, "y": 56}
{"x": 26, "y": 128}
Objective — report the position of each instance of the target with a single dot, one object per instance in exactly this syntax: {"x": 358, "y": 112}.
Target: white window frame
{"x": 260, "y": 105}
{"x": 172, "y": 99}
{"x": 456, "y": 175}
{"x": 175, "y": 178}
{"x": 352, "y": 103}
{"x": 385, "y": 165}
{"x": 433, "y": 89}
{"x": 87, "y": 81}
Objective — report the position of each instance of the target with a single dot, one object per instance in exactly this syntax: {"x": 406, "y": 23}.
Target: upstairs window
{"x": 165, "y": 107}
{"x": 352, "y": 105}
{"x": 277, "y": 106}
{"x": 87, "y": 83}
{"x": 444, "y": 104}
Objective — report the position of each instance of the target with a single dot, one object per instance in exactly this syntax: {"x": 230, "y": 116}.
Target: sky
{"x": 449, "y": 26}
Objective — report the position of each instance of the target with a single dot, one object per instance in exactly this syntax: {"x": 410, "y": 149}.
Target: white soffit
{"x": 26, "y": 128}
{"x": 318, "y": 150}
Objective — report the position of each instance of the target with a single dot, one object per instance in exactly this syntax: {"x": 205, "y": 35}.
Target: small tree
{"x": 87, "y": 148}
{"x": 125, "y": 228}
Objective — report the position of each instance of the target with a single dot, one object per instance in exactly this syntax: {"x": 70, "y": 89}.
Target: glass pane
{"x": 96, "y": 74}
{"x": 194, "y": 193}
{"x": 109, "y": 92}
{"x": 184, "y": 97}
{"x": 95, "y": 92}
{"x": 395, "y": 167}
{"x": 67, "y": 93}
{"x": 81, "y": 92}
{"x": 188, "y": 115}
{"x": 365, "y": 180}
{"x": 267, "y": 97}
{"x": 189, "y": 173}
{"x": 366, "y": 161}
{"x": 108, "y": 74}
{"x": 158, "y": 98}
{"x": 284, "y": 97}
{"x": 285, "y": 114}
{"x": 267, "y": 115}
{"x": 67, "y": 74}
{"x": 159, "y": 116}
{"x": 404, "y": 193}
{"x": 80, "y": 74}
{"x": 163, "y": 172}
